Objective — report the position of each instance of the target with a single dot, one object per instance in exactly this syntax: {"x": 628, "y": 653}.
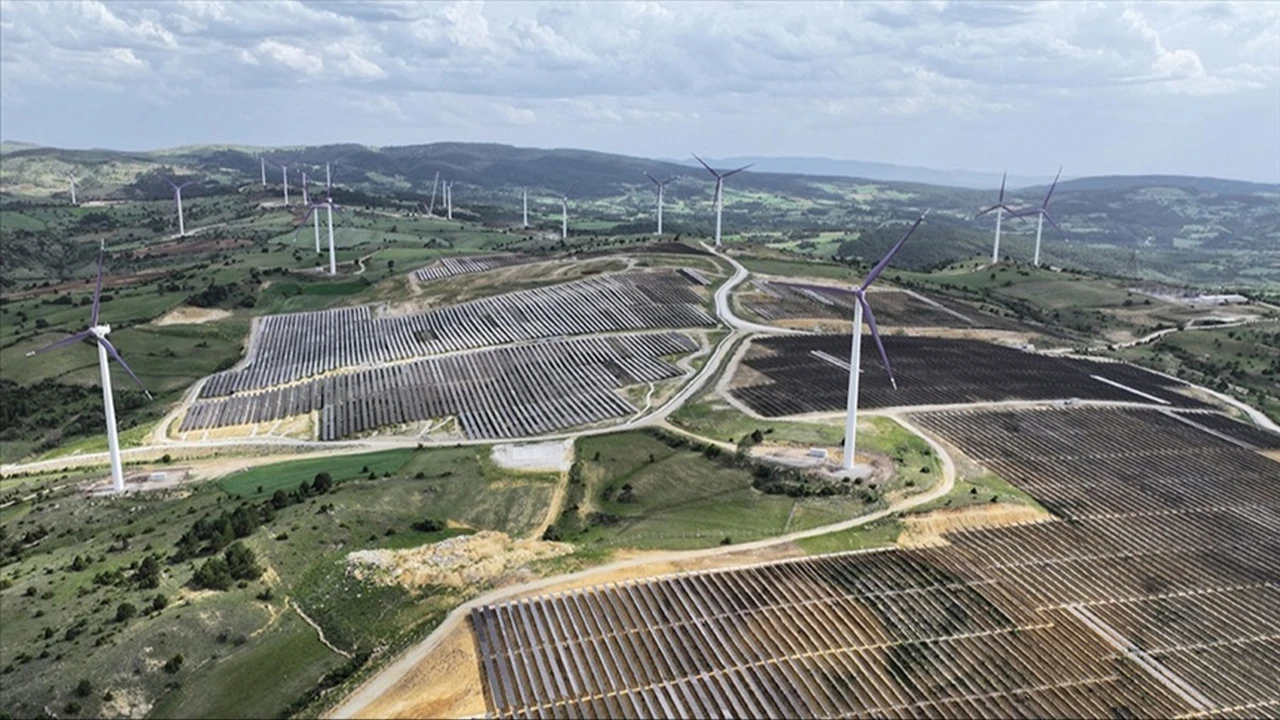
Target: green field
{"x": 244, "y": 656}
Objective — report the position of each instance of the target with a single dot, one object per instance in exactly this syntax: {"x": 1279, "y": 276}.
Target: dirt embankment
{"x": 465, "y": 561}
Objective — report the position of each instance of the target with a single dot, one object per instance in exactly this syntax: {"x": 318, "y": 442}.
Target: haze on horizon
{"x": 1104, "y": 88}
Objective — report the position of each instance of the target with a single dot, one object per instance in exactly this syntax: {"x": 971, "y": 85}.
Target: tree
{"x": 279, "y": 500}
{"x": 212, "y": 575}
{"x": 428, "y": 525}
{"x": 159, "y": 602}
{"x": 173, "y": 664}
{"x": 147, "y": 576}
{"x": 126, "y": 612}
{"x": 242, "y": 563}
{"x": 322, "y": 483}
{"x": 84, "y": 688}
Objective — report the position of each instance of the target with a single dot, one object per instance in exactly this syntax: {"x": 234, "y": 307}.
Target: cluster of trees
{"x": 230, "y": 296}
{"x": 238, "y": 562}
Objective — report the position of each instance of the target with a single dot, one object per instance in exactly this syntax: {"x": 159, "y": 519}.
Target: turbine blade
{"x": 875, "y": 335}
{"x": 735, "y": 172}
{"x": 1051, "y": 187}
{"x": 115, "y": 355}
{"x": 884, "y": 262}
{"x": 705, "y": 165}
{"x": 97, "y": 293}
{"x": 1003, "y": 177}
{"x": 651, "y": 178}
{"x": 984, "y": 212}
{"x": 1049, "y": 217}
{"x": 68, "y": 340}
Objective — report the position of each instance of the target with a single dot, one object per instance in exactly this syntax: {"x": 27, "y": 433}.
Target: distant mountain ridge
{"x": 887, "y": 172}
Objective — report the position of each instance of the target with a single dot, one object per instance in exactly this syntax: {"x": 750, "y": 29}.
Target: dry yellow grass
{"x": 929, "y": 530}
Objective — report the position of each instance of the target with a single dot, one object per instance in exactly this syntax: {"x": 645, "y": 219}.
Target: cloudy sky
{"x": 1100, "y": 87}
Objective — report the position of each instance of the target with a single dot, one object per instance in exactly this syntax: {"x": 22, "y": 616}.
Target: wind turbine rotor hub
{"x": 100, "y": 331}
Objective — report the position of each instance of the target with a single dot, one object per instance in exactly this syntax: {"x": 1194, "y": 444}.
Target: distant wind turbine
{"x": 1042, "y": 214}
{"x": 564, "y": 213}
{"x": 1000, "y": 209}
{"x": 72, "y": 179}
{"x": 329, "y": 205}
{"x": 662, "y": 185}
{"x": 177, "y": 196}
{"x": 97, "y": 334}
{"x": 719, "y": 198}
{"x": 264, "y": 169}
{"x": 431, "y": 209}
{"x": 328, "y": 179}
{"x": 448, "y": 200}
{"x": 284, "y": 170}
{"x": 855, "y": 353}
{"x": 526, "y": 207}
{"x": 306, "y": 200}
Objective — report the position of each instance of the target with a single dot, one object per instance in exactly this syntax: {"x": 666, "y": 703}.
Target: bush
{"x": 126, "y": 612}
{"x": 428, "y": 525}
{"x": 159, "y": 602}
{"x": 173, "y": 664}
{"x": 212, "y": 575}
{"x": 322, "y": 483}
{"x": 242, "y": 563}
{"x": 84, "y": 688}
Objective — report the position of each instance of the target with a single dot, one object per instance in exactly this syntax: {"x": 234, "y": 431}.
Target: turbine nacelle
{"x": 100, "y": 331}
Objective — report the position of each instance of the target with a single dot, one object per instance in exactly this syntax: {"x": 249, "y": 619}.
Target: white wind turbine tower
{"x": 329, "y": 205}
{"x": 1042, "y": 214}
{"x": 448, "y": 200}
{"x": 328, "y": 178}
{"x": 284, "y": 170}
{"x": 1000, "y": 209}
{"x": 72, "y": 179}
{"x": 97, "y": 334}
{"x": 719, "y": 198}
{"x": 263, "y": 158}
{"x": 662, "y": 185}
{"x": 526, "y": 207}
{"x": 306, "y": 199}
{"x": 177, "y": 196}
{"x": 564, "y": 213}
{"x": 855, "y": 353}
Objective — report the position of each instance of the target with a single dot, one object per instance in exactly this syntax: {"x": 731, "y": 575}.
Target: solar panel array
{"x": 288, "y": 348}
{"x": 1161, "y": 598}
{"x": 464, "y": 265}
{"x": 507, "y": 392}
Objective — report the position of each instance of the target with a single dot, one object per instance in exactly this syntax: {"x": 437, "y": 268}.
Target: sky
{"x": 1102, "y": 88}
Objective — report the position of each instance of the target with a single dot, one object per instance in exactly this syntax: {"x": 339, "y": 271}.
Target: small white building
{"x": 818, "y": 453}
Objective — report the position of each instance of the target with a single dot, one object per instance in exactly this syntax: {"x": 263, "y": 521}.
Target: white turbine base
{"x": 1039, "y": 230}
{"x": 995, "y": 249}
{"x": 851, "y": 409}
{"x": 109, "y": 410}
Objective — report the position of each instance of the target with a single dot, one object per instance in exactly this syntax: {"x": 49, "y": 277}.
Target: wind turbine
{"x": 328, "y": 179}
{"x": 329, "y": 207}
{"x": 97, "y": 334}
{"x": 177, "y": 196}
{"x": 263, "y": 158}
{"x": 1000, "y": 209}
{"x": 855, "y": 354}
{"x": 431, "y": 209}
{"x": 306, "y": 200}
{"x": 564, "y": 213}
{"x": 72, "y": 179}
{"x": 662, "y": 185}
{"x": 448, "y": 200}
{"x": 719, "y": 198}
{"x": 1042, "y": 214}
{"x": 526, "y": 207}
{"x": 284, "y": 169}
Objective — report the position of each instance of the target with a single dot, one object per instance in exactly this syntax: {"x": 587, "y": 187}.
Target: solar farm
{"x": 777, "y": 301}
{"x": 504, "y": 366}
{"x": 465, "y": 265}
{"x": 1154, "y": 592}
{"x": 795, "y": 375}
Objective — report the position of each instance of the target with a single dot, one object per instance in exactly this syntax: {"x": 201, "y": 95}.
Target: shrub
{"x": 84, "y": 688}
{"x": 126, "y": 612}
{"x": 429, "y": 525}
{"x": 173, "y": 664}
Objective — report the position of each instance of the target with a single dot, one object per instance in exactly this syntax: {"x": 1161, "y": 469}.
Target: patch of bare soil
{"x": 929, "y": 529}
{"x": 553, "y": 456}
{"x": 187, "y": 315}
{"x": 464, "y": 561}
{"x": 446, "y": 684}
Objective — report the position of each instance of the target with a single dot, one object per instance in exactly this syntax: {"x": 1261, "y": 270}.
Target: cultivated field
{"x": 1138, "y": 606}
{"x": 795, "y": 375}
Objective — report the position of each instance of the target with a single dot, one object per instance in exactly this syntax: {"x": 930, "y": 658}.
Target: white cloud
{"x": 560, "y": 73}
